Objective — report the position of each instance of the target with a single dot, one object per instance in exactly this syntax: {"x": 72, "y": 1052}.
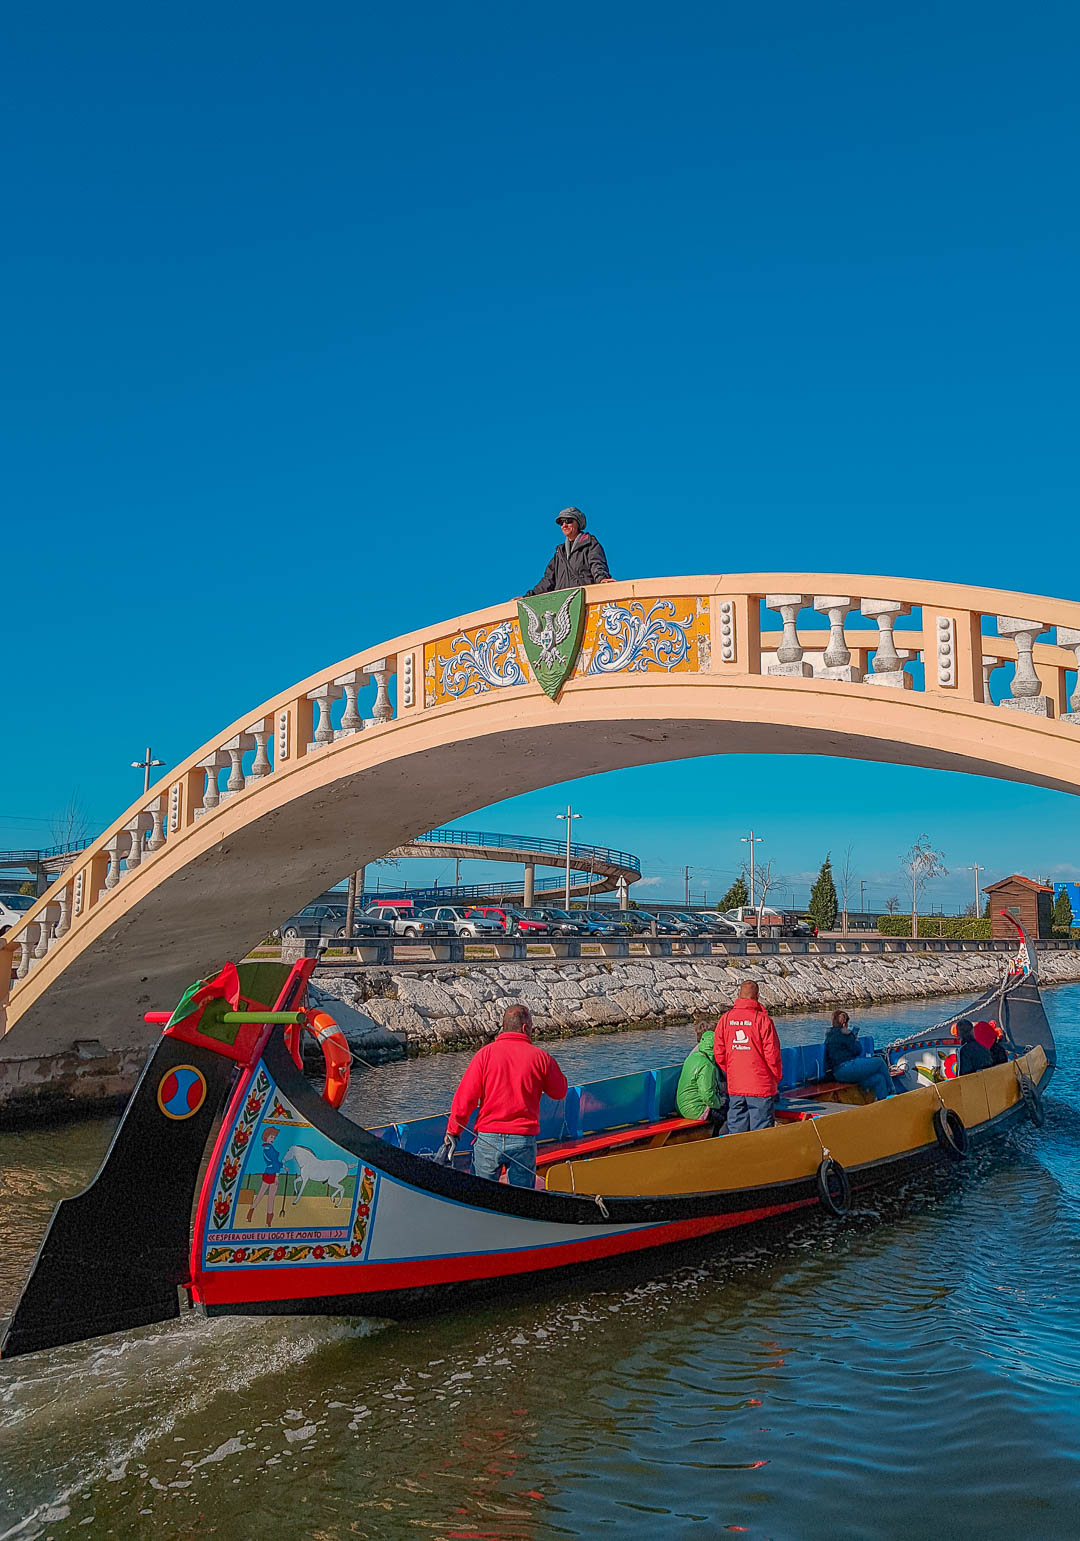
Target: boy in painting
{"x": 271, "y": 1168}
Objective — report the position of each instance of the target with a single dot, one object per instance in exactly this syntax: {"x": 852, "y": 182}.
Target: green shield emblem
{"x": 552, "y": 626}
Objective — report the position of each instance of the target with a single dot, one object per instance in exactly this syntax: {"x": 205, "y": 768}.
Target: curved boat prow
{"x": 1022, "y": 1013}
{"x": 114, "y": 1256}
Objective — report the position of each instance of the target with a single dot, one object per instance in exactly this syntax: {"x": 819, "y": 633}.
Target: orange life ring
{"x": 336, "y": 1053}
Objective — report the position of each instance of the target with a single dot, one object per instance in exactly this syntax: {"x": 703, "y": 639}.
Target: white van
{"x": 746, "y": 915}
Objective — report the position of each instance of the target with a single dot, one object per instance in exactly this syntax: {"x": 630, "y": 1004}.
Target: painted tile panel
{"x": 636, "y": 637}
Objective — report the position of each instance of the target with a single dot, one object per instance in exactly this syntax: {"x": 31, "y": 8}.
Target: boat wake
{"x": 80, "y": 1415}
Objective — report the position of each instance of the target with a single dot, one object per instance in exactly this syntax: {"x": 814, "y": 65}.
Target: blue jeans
{"x": 746, "y": 1113}
{"x": 867, "y": 1071}
{"x": 515, "y": 1154}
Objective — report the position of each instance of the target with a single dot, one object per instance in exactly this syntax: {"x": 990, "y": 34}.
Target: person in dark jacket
{"x": 846, "y": 1062}
{"x": 578, "y": 560}
{"x": 972, "y": 1055}
{"x": 991, "y": 1037}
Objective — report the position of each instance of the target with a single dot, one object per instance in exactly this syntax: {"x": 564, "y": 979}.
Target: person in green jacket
{"x": 702, "y": 1088}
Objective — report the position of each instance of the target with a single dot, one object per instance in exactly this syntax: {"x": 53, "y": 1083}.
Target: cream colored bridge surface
{"x": 436, "y": 724}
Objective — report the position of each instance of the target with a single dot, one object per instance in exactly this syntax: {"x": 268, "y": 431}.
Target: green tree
{"x": 822, "y": 907}
{"x": 1063, "y": 916}
{"x": 737, "y": 894}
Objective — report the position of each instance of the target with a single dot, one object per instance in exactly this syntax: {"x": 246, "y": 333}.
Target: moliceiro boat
{"x": 296, "y": 1209}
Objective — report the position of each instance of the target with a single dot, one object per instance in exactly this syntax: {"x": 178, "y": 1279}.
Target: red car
{"x": 514, "y": 922}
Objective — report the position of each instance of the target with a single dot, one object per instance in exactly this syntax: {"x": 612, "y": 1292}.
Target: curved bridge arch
{"x": 355, "y": 760}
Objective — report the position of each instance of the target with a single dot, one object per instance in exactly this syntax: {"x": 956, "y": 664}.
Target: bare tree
{"x": 892, "y": 905}
{"x": 845, "y": 877}
{"x": 921, "y": 864}
{"x": 767, "y": 877}
{"x": 70, "y": 829}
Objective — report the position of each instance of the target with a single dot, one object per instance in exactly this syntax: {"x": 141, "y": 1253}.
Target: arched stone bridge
{"x": 437, "y": 723}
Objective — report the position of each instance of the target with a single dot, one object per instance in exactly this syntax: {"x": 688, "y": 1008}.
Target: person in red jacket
{"x": 505, "y": 1080}
{"x": 747, "y": 1049}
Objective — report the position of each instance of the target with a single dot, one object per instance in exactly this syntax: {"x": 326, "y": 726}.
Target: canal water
{"x": 913, "y": 1373}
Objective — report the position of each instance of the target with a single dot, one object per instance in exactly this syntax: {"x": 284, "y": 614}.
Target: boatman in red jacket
{"x": 506, "y": 1080}
{"x": 747, "y": 1049}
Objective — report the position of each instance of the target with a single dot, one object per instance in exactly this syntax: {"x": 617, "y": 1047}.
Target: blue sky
{"x": 313, "y": 319}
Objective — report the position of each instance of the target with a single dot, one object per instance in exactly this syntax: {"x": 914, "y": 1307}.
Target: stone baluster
{"x": 157, "y": 817}
{"x": 46, "y": 923}
{"x": 989, "y": 664}
{"x": 138, "y": 827}
{"x": 351, "y": 720}
{"x": 379, "y": 671}
{"x": 789, "y": 655}
{"x": 260, "y": 732}
{"x": 888, "y": 666}
{"x": 117, "y": 849}
{"x": 63, "y": 920}
{"x": 236, "y": 747}
{"x": 1025, "y": 689}
{"x": 211, "y": 793}
{"x": 28, "y": 940}
{"x": 324, "y": 697}
{"x": 1069, "y": 637}
{"x": 836, "y": 660}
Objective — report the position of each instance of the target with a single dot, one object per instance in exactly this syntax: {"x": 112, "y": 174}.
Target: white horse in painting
{"x": 313, "y": 1168}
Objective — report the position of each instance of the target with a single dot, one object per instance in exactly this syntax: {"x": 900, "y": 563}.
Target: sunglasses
{"x": 565, "y": 522}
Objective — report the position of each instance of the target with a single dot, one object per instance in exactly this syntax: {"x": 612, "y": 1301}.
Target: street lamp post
{"x": 569, "y": 816}
{"x": 976, "y": 869}
{"x": 751, "y": 840}
{"x": 146, "y": 765}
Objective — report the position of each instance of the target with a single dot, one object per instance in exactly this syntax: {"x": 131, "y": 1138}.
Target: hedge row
{"x": 954, "y": 928}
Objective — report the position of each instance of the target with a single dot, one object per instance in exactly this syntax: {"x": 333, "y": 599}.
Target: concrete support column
{"x": 530, "y": 884}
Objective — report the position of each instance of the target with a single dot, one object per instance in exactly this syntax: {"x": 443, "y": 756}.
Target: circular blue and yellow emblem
{"x": 181, "y": 1091}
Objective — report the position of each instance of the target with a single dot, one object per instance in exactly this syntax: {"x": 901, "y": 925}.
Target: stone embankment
{"x": 424, "y": 1010}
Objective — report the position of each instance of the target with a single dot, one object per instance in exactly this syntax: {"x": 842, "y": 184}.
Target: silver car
{"x": 463, "y": 924}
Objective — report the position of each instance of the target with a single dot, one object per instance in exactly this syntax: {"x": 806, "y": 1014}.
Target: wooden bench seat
{"x": 656, "y": 1134}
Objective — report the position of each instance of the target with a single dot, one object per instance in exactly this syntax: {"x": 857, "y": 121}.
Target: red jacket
{"x": 506, "y": 1078}
{"x": 747, "y": 1050}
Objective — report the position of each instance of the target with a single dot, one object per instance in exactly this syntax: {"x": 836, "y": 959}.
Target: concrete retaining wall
{"x": 443, "y": 1008}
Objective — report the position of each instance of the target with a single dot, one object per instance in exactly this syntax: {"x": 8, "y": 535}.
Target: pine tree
{"x": 822, "y": 907}
{"x": 737, "y": 894}
{"x": 1062, "y": 918}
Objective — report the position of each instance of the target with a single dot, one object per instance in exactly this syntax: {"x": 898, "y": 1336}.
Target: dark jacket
{"x": 839, "y": 1048}
{"x": 999, "y": 1054}
{"x": 572, "y": 567}
{"x": 972, "y": 1057}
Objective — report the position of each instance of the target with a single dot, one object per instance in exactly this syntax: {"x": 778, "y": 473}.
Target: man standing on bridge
{"x": 506, "y": 1079}
{"x": 578, "y": 560}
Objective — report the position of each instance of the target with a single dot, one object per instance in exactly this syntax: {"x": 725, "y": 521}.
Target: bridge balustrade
{"x": 996, "y": 651}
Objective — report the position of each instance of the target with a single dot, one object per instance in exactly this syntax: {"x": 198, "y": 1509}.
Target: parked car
{"x": 512, "y": 921}
{"x": 463, "y": 921}
{"x": 559, "y": 921}
{"x": 12, "y": 909}
{"x": 682, "y": 924}
{"x": 601, "y": 923}
{"x": 718, "y": 926}
{"x": 328, "y": 920}
{"x": 403, "y": 919}
{"x": 641, "y": 923}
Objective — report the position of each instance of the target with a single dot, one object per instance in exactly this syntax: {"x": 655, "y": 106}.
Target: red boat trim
{"x": 267, "y": 1284}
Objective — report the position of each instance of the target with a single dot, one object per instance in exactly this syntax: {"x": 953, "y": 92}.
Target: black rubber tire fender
{"x": 950, "y": 1132}
{"x": 1032, "y": 1097}
{"x": 831, "y": 1172}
